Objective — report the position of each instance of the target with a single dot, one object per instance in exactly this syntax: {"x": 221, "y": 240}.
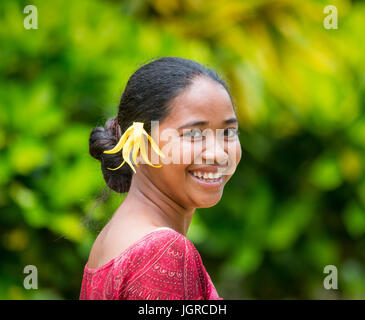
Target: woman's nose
{"x": 214, "y": 152}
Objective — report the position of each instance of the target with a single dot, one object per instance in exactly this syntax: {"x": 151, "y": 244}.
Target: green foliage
{"x": 297, "y": 200}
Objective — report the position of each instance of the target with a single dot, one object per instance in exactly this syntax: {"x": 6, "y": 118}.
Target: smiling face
{"x": 195, "y": 180}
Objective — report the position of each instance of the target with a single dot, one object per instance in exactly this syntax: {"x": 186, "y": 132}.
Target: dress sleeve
{"x": 173, "y": 271}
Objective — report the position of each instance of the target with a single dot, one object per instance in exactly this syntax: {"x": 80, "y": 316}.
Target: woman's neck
{"x": 148, "y": 205}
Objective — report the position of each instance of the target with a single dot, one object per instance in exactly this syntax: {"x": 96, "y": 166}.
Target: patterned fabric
{"x": 162, "y": 265}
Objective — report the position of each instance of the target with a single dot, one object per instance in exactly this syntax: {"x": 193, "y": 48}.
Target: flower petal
{"x": 136, "y": 147}
{"x": 154, "y": 145}
{"x": 145, "y": 156}
{"x": 121, "y": 142}
{"x": 126, "y": 151}
{"x": 117, "y": 167}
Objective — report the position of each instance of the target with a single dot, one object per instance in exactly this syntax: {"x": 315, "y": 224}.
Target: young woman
{"x": 143, "y": 252}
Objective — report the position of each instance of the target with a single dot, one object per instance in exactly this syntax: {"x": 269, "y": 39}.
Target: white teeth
{"x": 205, "y": 175}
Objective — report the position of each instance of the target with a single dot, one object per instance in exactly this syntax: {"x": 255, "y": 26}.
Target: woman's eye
{"x": 195, "y": 134}
{"x": 231, "y": 132}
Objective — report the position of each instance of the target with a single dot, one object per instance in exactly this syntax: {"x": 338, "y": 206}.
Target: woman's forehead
{"x": 204, "y": 100}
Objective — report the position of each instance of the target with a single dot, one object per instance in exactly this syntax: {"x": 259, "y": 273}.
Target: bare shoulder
{"x": 114, "y": 240}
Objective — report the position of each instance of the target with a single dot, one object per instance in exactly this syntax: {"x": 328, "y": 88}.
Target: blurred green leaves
{"x": 325, "y": 173}
{"x": 297, "y": 200}
{"x": 354, "y": 219}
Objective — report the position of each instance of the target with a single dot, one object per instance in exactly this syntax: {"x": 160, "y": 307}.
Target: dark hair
{"x": 146, "y": 98}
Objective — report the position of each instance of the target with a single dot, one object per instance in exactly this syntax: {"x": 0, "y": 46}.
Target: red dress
{"x": 162, "y": 265}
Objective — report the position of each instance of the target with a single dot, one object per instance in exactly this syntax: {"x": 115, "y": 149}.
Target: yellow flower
{"x": 133, "y": 139}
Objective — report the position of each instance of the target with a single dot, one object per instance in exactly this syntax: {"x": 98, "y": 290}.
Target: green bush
{"x": 297, "y": 200}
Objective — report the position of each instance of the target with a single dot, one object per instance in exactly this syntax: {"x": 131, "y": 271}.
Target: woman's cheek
{"x": 239, "y": 153}
{"x": 234, "y": 156}
{"x": 173, "y": 151}
{"x": 186, "y": 152}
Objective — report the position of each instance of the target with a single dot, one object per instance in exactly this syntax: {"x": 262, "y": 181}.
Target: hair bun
{"x": 105, "y": 138}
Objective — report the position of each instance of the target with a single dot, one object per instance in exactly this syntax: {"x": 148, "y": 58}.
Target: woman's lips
{"x": 215, "y": 183}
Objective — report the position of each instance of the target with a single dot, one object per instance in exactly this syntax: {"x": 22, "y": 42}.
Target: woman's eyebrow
{"x": 194, "y": 124}
{"x": 203, "y": 123}
{"x": 231, "y": 120}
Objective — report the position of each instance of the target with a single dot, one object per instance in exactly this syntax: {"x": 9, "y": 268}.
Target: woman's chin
{"x": 207, "y": 203}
